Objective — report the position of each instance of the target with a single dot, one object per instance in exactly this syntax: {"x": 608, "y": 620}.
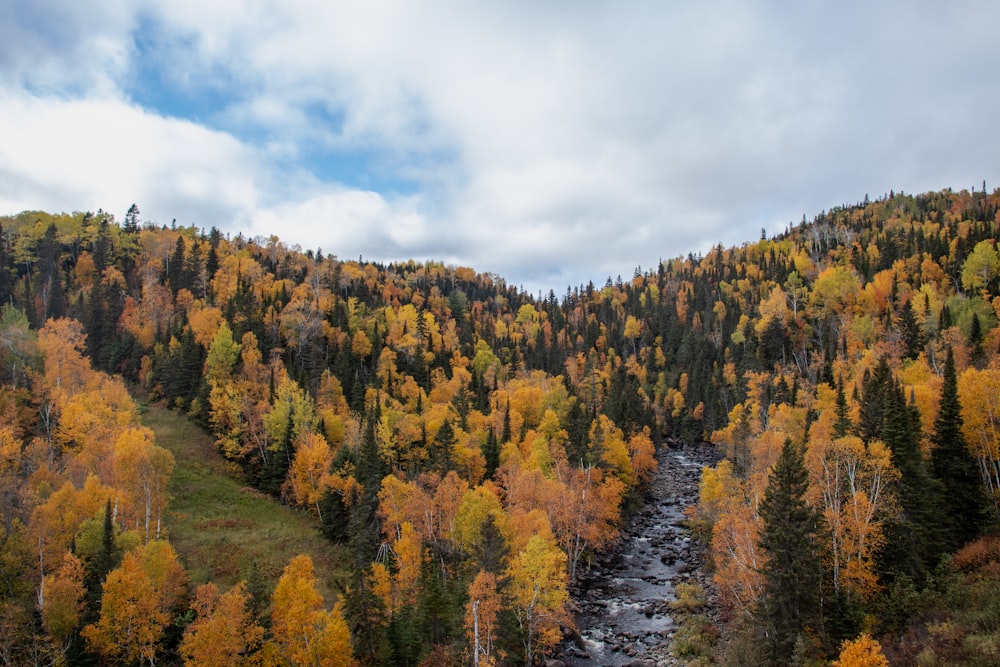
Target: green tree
{"x": 793, "y": 573}
{"x": 442, "y": 452}
{"x": 963, "y": 500}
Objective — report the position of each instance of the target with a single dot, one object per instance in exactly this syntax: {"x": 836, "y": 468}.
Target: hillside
{"x": 224, "y": 530}
{"x": 472, "y": 447}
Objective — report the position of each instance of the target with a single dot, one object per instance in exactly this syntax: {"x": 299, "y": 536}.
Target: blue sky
{"x": 549, "y": 143}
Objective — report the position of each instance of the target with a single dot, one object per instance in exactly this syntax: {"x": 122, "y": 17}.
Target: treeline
{"x": 471, "y": 445}
{"x": 861, "y": 461}
{"x": 406, "y": 406}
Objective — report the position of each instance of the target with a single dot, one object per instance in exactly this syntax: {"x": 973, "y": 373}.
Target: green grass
{"x": 220, "y": 526}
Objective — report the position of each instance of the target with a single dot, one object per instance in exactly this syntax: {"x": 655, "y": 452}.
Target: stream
{"x": 623, "y": 613}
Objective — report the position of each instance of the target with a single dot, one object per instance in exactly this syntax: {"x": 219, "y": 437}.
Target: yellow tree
{"x": 162, "y": 566}
{"x": 850, "y": 482}
{"x": 643, "y": 455}
{"x": 979, "y": 395}
{"x": 303, "y": 631}
{"x": 537, "y": 595}
{"x": 63, "y": 596}
{"x": 131, "y": 621}
{"x": 224, "y": 631}
{"x": 142, "y": 471}
{"x": 62, "y": 343}
{"x": 736, "y": 553}
{"x": 861, "y": 652}
{"x": 481, "y": 614}
{"x": 308, "y": 477}
{"x": 140, "y": 598}
{"x": 608, "y": 443}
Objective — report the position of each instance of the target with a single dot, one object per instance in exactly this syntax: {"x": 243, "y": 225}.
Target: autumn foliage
{"x": 469, "y": 447}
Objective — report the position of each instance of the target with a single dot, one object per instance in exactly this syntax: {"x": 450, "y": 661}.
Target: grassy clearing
{"x": 220, "y": 527}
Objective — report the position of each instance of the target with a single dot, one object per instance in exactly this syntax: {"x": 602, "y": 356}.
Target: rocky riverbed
{"x": 623, "y": 603}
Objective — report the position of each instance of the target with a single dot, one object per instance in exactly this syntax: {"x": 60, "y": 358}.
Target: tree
{"x": 979, "y": 394}
{"x": 131, "y": 225}
{"x": 140, "y": 599}
{"x": 63, "y": 595}
{"x": 981, "y": 267}
{"x": 481, "y": 615}
{"x": 224, "y": 631}
{"x": 537, "y": 594}
{"x": 443, "y": 450}
{"x": 309, "y": 475}
{"x": 790, "y": 537}
{"x": 304, "y": 632}
{"x": 861, "y": 652}
{"x": 954, "y": 466}
{"x": 131, "y": 621}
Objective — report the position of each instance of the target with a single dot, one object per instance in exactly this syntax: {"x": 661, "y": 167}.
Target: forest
{"x": 465, "y": 448}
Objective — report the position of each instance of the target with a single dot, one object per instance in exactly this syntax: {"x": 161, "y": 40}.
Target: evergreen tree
{"x": 913, "y": 544}
{"x": 976, "y": 337}
{"x": 871, "y": 416}
{"x": 910, "y": 330}
{"x": 842, "y": 425}
{"x": 131, "y": 225}
{"x": 274, "y": 473}
{"x": 442, "y": 451}
{"x": 491, "y": 453}
{"x": 101, "y": 564}
{"x": 790, "y": 608}
{"x": 177, "y": 269}
{"x": 363, "y": 610}
{"x": 963, "y": 500}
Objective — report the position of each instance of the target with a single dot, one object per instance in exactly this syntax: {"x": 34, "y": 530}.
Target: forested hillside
{"x": 471, "y": 446}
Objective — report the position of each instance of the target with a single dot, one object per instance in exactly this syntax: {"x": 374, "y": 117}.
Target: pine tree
{"x": 871, "y": 417}
{"x": 103, "y": 562}
{"x": 976, "y": 337}
{"x": 491, "y": 453}
{"x": 442, "y": 452}
{"x": 913, "y": 536}
{"x": 793, "y": 573}
{"x": 842, "y": 425}
{"x": 963, "y": 500}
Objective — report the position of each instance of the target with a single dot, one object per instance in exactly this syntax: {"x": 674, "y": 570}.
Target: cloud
{"x": 552, "y": 144}
{"x": 85, "y": 154}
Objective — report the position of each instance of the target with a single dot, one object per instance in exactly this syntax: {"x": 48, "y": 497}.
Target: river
{"x": 623, "y": 612}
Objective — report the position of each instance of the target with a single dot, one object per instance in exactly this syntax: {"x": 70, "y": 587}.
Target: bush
{"x": 696, "y": 638}
{"x": 690, "y": 598}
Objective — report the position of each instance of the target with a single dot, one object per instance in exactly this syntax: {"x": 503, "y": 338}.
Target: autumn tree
{"x": 979, "y": 395}
{"x": 861, "y": 652}
{"x": 304, "y": 632}
{"x": 224, "y": 631}
{"x": 481, "y": 619}
{"x": 63, "y": 603}
{"x": 131, "y": 621}
{"x": 537, "y": 594}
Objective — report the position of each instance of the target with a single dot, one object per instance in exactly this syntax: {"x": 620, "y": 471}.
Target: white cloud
{"x": 86, "y": 154}
{"x": 549, "y": 143}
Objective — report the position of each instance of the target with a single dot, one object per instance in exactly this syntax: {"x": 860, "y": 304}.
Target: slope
{"x": 221, "y": 527}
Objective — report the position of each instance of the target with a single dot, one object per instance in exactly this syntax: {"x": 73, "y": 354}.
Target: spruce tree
{"x": 442, "y": 452}
{"x": 913, "y": 544}
{"x": 491, "y": 454}
{"x": 100, "y": 565}
{"x": 790, "y": 608}
{"x": 963, "y": 500}
{"x": 842, "y": 425}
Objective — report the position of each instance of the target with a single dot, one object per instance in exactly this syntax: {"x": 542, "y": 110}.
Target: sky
{"x": 550, "y": 143}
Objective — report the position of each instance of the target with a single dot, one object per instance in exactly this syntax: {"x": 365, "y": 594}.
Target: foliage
{"x": 437, "y": 420}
